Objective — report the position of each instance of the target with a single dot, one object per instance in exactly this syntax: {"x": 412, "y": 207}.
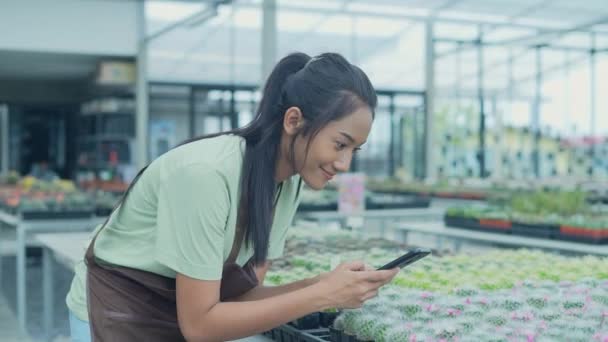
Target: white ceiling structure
{"x": 387, "y": 39}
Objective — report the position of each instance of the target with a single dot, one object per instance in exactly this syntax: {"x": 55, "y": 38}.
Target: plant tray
{"x": 460, "y": 195}
{"x": 580, "y": 234}
{"x": 103, "y": 212}
{"x": 54, "y": 215}
{"x": 461, "y": 222}
{"x": 540, "y": 230}
{"x": 288, "y": 333}
{"x": 407, "y": 203}
{"x": 317, "y": 207}
{"x": 336, "y": 335}
{"x": 495, "y": 225}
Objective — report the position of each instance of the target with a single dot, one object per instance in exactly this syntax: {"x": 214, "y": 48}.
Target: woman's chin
{"x": 315, "y": 184}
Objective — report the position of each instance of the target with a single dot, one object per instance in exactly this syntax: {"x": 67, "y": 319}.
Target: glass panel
{"x": 399, "y": 151}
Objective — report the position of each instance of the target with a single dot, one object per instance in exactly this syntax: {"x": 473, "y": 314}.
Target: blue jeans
{"x": 79, "y": 329}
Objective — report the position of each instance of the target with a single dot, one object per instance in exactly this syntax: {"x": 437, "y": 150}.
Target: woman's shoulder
{"x": 222, "y": 146}
{"x": 222, "y": 153}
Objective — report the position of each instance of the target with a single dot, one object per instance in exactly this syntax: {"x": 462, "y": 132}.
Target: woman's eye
{"x": 357, "y": 150}
{"x": 340, "y": 146}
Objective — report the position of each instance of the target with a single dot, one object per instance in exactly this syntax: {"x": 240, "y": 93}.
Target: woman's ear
{"x": 293, "y": 120}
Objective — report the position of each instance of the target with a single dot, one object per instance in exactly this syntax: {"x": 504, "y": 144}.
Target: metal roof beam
{"x": 421, "y": 18}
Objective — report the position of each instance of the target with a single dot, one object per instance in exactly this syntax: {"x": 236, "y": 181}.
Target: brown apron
{"x": 127, "y": 304}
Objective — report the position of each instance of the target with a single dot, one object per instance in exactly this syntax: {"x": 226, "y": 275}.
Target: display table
{"x": 441, "y": 231}
{"x": 22, "y": 229}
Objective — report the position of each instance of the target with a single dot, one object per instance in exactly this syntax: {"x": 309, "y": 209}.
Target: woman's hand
{"x": 351, "y": 284}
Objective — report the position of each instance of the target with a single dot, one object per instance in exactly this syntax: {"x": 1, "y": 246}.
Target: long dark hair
{"x": 325, "y": 88}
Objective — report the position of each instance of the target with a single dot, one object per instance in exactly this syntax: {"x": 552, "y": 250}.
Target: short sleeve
{"x": 193, "y": 208}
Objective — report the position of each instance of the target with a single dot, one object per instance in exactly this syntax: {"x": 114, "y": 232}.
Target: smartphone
{"x": 406, "y": 259}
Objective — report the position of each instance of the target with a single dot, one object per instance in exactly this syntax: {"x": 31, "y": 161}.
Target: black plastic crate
{"x": 539, "y": 230}
{"x": 461, "y": 222}
{"x": 102, "y": 212}
{"x": 326, "y": 319}
{"x": 315, "y": 335}
{"x": 406, "y": 203}
{"x": 582, "y": 239}
{"x": 289, "y": 333}
{"x": 55, "y": 215}
{"x": 317, "y": 207}
{"x": 311, "y": 321}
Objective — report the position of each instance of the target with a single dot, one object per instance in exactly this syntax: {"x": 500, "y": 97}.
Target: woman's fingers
{"x": 382, "y": 276}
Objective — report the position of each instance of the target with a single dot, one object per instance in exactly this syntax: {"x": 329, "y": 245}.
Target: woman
{"x": 169, "y": 264}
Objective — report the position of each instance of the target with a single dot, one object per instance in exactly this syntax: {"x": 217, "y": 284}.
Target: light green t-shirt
{"x": 180, "y": 217}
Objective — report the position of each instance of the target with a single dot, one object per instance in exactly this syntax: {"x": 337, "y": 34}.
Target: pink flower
{"x": 413, "y": 338}
{"x": 468, "y": 300}
{"x": 530, "y": 337}
{"x": 453, "y": 312}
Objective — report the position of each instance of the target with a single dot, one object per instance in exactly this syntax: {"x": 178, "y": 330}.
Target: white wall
{"x": 101, "y": 27}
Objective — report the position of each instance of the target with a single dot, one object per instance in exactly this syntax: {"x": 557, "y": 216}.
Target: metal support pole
{"x": 429, "y": 166}
{"x": 592, "y": 101}
{"x": 47, "y": 290}
{"x": 192, "y": 112}
{"x": 497, "y": 167}
{"x": 4, "y": 138}
{"x": 568, "y": 106}
{"x": 269, "y": 36}
{"x": 459, "y": 133}
{"x": 234, "y": 117}
{"x": 21, "y": 277}
{"x": 141, "y": 108}
{"x": 481, "y": 154}
{"x": 535, "y": 124}
{"x": 391, "y": 147}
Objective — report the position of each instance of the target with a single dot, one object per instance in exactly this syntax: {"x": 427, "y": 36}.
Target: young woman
{"x": 184, "y": 255}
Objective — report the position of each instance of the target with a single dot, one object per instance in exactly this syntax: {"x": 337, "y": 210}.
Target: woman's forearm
{"x": 253, "y": 317}
{"x": 263, "y": 292}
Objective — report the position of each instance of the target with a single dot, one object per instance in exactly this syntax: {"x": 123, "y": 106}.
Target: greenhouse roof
{"x": 385, "y": 37}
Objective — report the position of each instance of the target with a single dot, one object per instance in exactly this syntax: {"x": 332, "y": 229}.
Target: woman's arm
{"x": 202, "y": 317}
{"x": 262, "y": 292}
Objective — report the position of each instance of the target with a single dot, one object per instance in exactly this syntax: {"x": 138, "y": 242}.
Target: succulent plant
{"x": 447, "y": 331}
{"x": 398, "y": 333}
{"x": 366, "y": 327}
{"x": 496, "y": 319}
{"x": 512, "y": 304}
{"x": 381, "y": 330}
{"x": 411, "y": 310}
{"x": 351, "y": 321}
{"x": 537, "y": 302}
